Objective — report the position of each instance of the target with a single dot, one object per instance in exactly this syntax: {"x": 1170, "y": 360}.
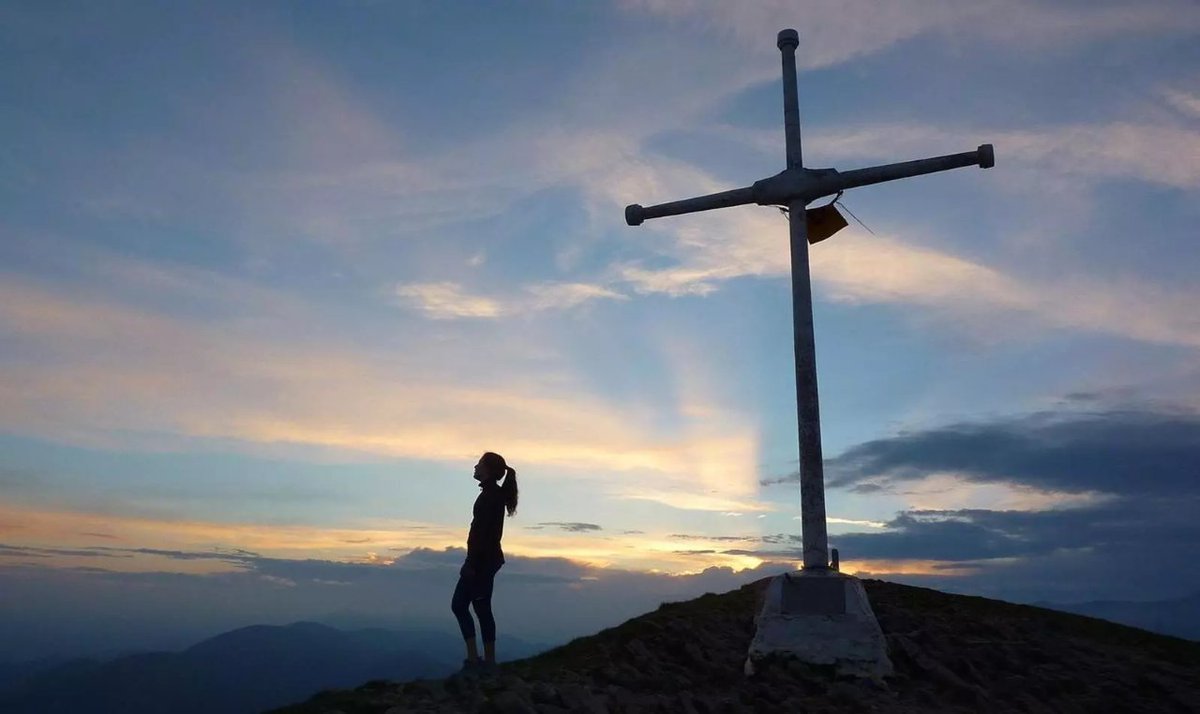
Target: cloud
{"x": 195, "y": 546}
{"x": 883, "y": 269}
{"x": 1148, "y": 537}
{"x": 288, "y": 151}
{"x": 892, "y": 268}
{"x": 606, "y": 157}
{"x": 562, "y": 296}
{"x": 711, "y": 248}
{"x": 232, "y": 555}
{"x": 688, "y": 536}
{"x": 1124, "y": 452}
{"x": 1156, "y": 153}
{"x": 949, "y": 536}
{"x": 833, "y": 32}
{"x": 1140, "y": 457}
{"x": 683, "y": 498}
{"x": 448, "y": 558}
{"x": 676, "y": 282}
{"x": 854, "y": 522}
{"x": 830, "y": 34}
{"x": 1088, "y": 491}
{"x": 448, "y": 300}
{"x": 1183, "y": 100}
{"x": 540, "y": 599}
{"x": 1097, "y": 461}
{"x": 1015, "y": 554}
{"x": 182, "y": 539}
{"x": 793, "y": 477}
{"x": 151, "y": 380}
{"x": 571, "y": 527}
{"x": 365, "y": 182}
{"x": 28, "y": 552}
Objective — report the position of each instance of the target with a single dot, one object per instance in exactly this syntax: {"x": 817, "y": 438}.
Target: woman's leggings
{"x": 476, "y": 589}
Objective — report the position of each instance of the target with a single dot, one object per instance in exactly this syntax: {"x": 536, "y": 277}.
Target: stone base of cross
{"x": 823, "y": 617}
{"x": 817, "y": 614}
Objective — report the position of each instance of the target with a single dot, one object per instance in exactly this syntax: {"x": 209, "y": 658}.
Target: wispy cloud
{"x": 562, "y": 296}
{"x": 448, "y": 300}
{"x": 209, "y": 546}
{"x": 142, "y": 372}
{"x": 833, "y": 32}
{"x": 684, "y": 498}
{"x": 1156, "y": 153}
{"x": 712, "y": 248}
{"x": 9, "y": 551}
{"x": 222, "y": 541}
{"x": 570, "y": 527}
{"x": 1183, "y": 100}
{"x": 855, "y": 522}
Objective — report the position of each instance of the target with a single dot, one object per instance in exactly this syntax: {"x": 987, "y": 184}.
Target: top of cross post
{"x": 786, "y": 38}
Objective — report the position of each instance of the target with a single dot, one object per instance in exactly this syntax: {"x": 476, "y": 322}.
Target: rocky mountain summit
{"x": 951, "y": 653}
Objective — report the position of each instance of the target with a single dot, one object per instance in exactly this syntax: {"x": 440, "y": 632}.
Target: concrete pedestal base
{"x": 821, "y": 617}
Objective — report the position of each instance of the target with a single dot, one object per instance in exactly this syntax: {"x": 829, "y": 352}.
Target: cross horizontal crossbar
{"x": 810, "y": 184}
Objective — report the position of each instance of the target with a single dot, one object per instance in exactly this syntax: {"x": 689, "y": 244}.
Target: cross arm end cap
{"x": 633, "y": 215}
{"x": 788, "y": 38}
{"x": 987, "y": 156}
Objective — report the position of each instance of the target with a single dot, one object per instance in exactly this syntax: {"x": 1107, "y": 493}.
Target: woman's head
{"x": 491, "y": 468}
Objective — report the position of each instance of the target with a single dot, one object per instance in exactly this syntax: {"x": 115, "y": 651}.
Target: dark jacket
{"x": 487, "y": 527}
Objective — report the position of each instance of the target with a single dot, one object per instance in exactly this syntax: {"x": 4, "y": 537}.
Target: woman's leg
{"x": 459, "y": 604}
{"x": 482, "y": 602}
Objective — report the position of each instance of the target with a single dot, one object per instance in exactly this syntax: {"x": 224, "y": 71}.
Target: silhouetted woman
{"x": 484, "y": 557}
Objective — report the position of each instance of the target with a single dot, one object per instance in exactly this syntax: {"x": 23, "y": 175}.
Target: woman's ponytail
{"x": 510, "y": 489}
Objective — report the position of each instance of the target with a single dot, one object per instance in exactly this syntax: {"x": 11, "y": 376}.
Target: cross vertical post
{"x": 787, "y": 42}
{"x": 808, "y": 413}
{"x": 819, "y": 615}
{"x": 794, "y": 188}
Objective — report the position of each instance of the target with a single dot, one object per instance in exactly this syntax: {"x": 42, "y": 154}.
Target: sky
{"x": 274, "y": 275}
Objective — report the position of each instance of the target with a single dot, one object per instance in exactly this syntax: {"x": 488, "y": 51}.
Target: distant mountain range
{"x": 1179, "y": 617}
{"x": 244, "y": 670}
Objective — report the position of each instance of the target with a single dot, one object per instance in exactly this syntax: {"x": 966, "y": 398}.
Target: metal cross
{"x": 795, "y": 187}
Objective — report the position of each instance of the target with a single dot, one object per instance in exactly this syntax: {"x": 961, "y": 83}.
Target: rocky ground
{"x": 951, "y": 653}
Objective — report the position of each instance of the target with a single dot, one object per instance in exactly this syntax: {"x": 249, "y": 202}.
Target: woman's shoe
{"x": 472, "y": 666}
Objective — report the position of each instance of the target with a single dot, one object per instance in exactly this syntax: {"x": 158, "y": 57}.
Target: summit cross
{"x": 794, "y": 188}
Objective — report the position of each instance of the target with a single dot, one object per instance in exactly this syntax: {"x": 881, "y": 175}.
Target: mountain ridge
{"x": 1178, "y": 617}
{"x": 952, "y": 653}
